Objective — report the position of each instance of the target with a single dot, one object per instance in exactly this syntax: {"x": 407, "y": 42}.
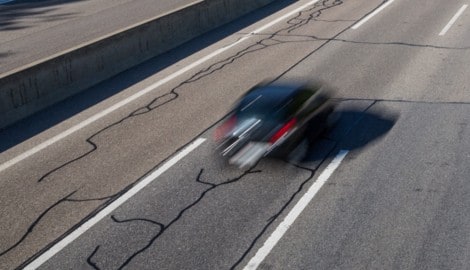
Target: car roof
{"x": 269, "y": 96}
{"x": 264, "y": 99}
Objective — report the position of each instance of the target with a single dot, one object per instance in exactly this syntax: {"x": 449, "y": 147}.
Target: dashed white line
{"x": 146, "y": 90}
{"x": 368, "y": 17}
{"x": 114, "y": 205}
{"x": 452, "y": 21}
{"x": 295, "y": 212}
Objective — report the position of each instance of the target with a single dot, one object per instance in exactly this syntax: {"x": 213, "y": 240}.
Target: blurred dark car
{"x": 276, "y": 120}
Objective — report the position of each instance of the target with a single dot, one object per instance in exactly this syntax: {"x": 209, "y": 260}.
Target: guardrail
{"x": 31, "y": 88}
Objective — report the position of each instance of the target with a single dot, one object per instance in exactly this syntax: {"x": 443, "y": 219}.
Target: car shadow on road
{"x": 355, "y": 129}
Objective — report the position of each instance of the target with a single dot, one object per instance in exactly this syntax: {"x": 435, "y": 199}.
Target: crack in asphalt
{"x": 164, "y": 227}
{"x": 89, "y": 259}
{"x": 113, "y": 217}
{"x": 95, "y": 251}
{"x": 310, "y": 38}
{"x": 271, "y": 220}
{"x": 44, "y": 213}
{"x": 294, "y": 23}
{"x": 31, "y": 227}
{"x": 314, "y": 13}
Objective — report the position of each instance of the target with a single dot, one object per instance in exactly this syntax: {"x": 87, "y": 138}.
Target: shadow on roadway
{"x": 12, "y": 14}
{"x": 29, "y": 127}
{"x": 355, "y": 129}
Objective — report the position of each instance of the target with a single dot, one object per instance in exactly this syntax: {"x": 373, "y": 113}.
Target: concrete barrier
{"x": 41, "y": 84}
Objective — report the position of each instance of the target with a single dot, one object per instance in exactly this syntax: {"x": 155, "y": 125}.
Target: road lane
{"x": 379, "y": 74}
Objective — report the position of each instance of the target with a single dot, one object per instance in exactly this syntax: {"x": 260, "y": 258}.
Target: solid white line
{"x": 372, "y": 14}
{"x": 110, "y": 208}
{"x": 285, "y": 16}
{"x": 452, "y": 21}
{"x": 137, "y": 95}
{"x": 295, "y": 212}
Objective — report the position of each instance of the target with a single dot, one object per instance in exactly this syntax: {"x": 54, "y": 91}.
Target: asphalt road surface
{"x": 114, "y": 180}
{"x": 31, "y": 30}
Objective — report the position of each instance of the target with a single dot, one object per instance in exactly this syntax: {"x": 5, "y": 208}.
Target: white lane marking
{"x": 295, "y": 212}
{"x": 113, "y": 206}
{"x": 146, "y": 90}
{"x": 285, "y": 16}
{"x": 452, "y": 21}
{"x": 386, "y": 4}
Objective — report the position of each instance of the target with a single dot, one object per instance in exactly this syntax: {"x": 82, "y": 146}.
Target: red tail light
{"x": 283, "y": 130}
{"x": 225, "y": 128}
